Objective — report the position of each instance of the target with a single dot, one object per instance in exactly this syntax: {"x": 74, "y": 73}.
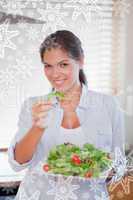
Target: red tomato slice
{"x": 88, "y": 174}
{"x": 76, "y": 159}
{"x": 46, "y": 167}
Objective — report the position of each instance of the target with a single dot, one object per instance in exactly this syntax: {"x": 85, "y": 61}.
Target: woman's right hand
{"x": 39, "y": 113}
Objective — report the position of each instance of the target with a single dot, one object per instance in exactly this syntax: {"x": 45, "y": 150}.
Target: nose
{"x": 55, "y": 71}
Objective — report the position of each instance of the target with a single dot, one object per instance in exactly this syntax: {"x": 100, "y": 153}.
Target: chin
{"x": 63, "y": 88}
{"x": 60, "y": 89}
{"x": 66, "y": 89}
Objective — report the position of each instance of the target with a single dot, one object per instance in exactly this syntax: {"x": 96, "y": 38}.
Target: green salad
{"x": 71, "y": 160}
{"x": 59, "y": 95}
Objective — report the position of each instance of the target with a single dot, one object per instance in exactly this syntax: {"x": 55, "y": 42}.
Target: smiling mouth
{"x": 59, "y": 82}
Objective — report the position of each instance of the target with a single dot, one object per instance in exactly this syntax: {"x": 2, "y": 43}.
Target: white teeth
{"x": 59, "y": 82}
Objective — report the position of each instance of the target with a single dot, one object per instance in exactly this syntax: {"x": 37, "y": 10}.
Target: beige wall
{"x": 129, "y": 74}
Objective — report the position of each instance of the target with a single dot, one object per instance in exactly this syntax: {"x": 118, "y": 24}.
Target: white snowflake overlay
{"x": 22, "y": 24}
{"x": 86, "y": 196}
{"x": 32, "y": 33}
{"x": 32, "y": 50}
{"x": 14, "y": 7}
{"x": 23, "y": 196}
{"x": 8, "y": 190}
{"x": 13, "y": 74}
{"x": 52, "y": 17}
{"x": 23, "y": 68}
{"x": 7, "y": 78}
{"x": 94, "y": 186}
{"x": 119, "y": 165}
{"x": 84, "y": 7}
{"x": 103, "y": 196}
{"x": 63, "y": 189}
{"x": 5, "y": 38}
{"x": 130, "y": 160}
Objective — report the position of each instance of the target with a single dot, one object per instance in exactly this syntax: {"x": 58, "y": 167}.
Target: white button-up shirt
{"x": 100, "y": 118}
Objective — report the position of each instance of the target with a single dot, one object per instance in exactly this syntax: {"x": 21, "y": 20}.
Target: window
{"x": 21, "y": 74}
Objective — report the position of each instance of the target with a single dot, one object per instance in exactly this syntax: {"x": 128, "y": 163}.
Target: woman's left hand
{"x": 70, "y": 102}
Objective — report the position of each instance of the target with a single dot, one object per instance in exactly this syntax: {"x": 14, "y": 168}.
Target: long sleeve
{"x": 24, "y": 124}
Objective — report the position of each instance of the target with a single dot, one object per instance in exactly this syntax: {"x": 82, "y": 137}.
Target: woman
{"x": 82, "y": 116}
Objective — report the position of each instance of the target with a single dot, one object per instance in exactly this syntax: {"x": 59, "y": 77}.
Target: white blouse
{"x": 100, "y": 119}
{"x": 74, "y": 136}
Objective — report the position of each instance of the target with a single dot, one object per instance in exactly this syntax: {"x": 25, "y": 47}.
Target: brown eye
{"x": 47, "y": 66}
{"x": 63, "y": 65}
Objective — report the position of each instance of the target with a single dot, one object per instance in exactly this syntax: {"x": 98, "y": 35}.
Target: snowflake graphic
{"x": 52, "y": 16}
{"x": 13, "y": 74}
{"x": 32, "y": 33}
{"x": 23, "y": 68}
{"x": 124, "y": 183}
{"x": 94, "y": 186}
{"x": 32, "y": 49}
{"x": 2, "y": 2}
{"x": 8, "y": 190}
{"x": 14, "y": 7}
{"x": 119, "y": 165}
{"x": 20, "y": 40}
{"x": 63, "y": 189}
{"x": 30, "y": 13}
{"x": 83, "y": 7}
{"x": 5, "y": 38}
{"x": 10, "y": 58}
{"x": 130, "y": 160}
{"x": 103, "y": 196}
{"x": 36, "y": 3}
{"x": 35, "y": 176}
{"x": 23, "y": 196}
{"x": 7, "y": 78}
{"x": 16, "y": 94}
{"x": 121, "y": 8}
{"x": 85, "y": 195}
{"x": 22, "y": 24}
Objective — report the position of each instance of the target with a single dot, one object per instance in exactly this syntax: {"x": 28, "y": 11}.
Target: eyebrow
{"x": 58, "y": 62}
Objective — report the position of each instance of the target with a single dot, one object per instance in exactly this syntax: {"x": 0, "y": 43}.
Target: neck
{"x": 75, "y": 88}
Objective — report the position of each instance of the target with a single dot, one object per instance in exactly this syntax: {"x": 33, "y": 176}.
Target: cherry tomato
{"x": 76, "y": 159}
{"x": 88, "y": 174}
{"x": 46, "y": 167}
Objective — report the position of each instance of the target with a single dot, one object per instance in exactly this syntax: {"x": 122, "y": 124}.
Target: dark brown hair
{"x": 68, "y": 42}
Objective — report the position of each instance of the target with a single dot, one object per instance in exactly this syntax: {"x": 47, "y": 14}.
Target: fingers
{"x": 41, "y": 108}
{"x": 40, "y": 112}
{"x": 41, "y": 103}
{"x": 39, "y": 115}
{"x": 41, "y": 123}
{"x": 70, "y": 102}
{"x": 75, "y": 96}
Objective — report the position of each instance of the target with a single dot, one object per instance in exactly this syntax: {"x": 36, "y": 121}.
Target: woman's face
{"x": 61, "y": 71}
